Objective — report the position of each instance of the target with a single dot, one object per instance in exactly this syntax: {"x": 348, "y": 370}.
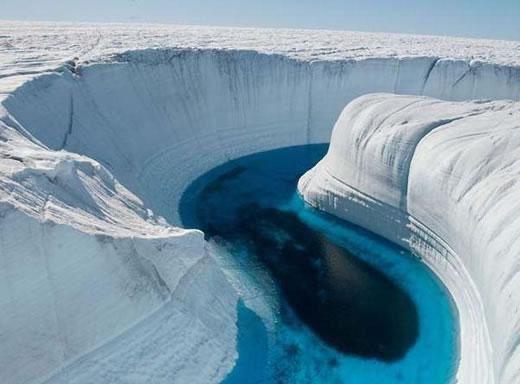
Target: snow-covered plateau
{"x": 102, "y": 127}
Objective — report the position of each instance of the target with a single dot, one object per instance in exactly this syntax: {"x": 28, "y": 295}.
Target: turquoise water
{"x": 323, "y": 301}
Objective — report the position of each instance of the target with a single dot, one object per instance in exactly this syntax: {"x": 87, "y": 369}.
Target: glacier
{"x": 102, "y": 127}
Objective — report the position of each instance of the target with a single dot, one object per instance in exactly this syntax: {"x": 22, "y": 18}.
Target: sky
{"x": 497, "y": 19}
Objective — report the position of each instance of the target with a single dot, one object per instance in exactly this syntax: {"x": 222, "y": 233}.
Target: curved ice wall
{"x": 133, "y": 131}
{"x": 439, "y": 178}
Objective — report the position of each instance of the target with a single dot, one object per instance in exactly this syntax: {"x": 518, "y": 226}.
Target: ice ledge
{"x": 437, "y": 177}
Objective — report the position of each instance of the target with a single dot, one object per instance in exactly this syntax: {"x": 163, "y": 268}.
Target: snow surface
{"x": 102, "y": 127}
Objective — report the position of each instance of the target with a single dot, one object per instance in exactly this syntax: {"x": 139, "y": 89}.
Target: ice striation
{"x": 102, "y": 127}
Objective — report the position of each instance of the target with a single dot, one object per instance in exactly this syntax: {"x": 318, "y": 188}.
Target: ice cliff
{"x": 82, "y": 261}
{"x": 97, "y": 280}
{"x": 439, "y": 178}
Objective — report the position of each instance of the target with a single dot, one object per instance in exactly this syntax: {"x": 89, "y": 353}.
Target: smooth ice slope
{"x": 439, "y": 177}
{"x": 96, "y": 128}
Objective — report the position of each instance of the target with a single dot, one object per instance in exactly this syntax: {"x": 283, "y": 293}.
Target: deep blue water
{"x": 323, "y": 301}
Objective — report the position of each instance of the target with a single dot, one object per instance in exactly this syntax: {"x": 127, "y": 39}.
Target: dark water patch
{"x": 267, "y": 177}
{"x": 347, "y": 306}
{"x": 351, "y": 305}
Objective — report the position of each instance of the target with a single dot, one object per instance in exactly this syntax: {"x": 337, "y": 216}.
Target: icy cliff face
{"x": 142, "y": 114}
{"x": 439, "y": 177}
{"x": 97, "y": 286}
{"x": 82, "y": 261}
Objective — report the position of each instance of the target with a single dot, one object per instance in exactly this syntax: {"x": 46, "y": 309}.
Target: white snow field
{"x": 103, "y": 126}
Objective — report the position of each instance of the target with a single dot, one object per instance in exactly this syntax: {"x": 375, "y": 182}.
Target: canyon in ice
{"x": 102, "y": 128}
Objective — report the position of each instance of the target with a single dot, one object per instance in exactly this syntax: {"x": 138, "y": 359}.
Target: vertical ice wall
{"x": 142, "y": 113}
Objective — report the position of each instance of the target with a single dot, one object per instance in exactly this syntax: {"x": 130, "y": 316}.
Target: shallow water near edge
{"x": 323, "y": 301}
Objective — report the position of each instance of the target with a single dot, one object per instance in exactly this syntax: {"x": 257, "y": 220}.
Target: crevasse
{"x": 87, "y": 153}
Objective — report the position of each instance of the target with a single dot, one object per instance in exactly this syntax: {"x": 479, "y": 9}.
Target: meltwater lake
{"x": 323, "y": 301}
